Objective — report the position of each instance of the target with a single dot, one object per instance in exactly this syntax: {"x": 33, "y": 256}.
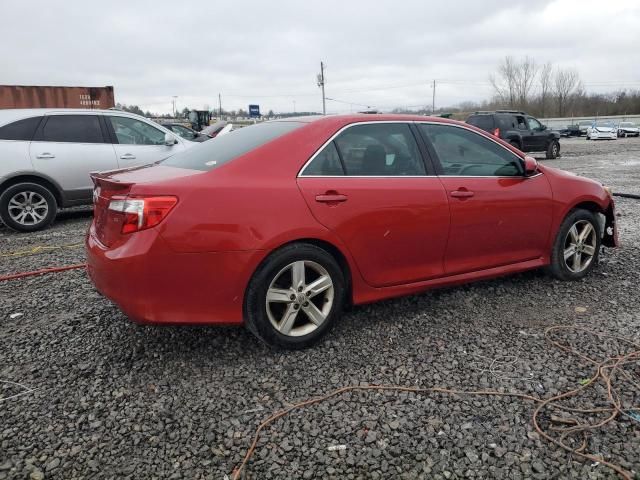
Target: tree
{"x": 525, "y": 75}
{"x": 505, "y": 83}
{"x": 546, "y": 84}
{"x": 567, "y": 84}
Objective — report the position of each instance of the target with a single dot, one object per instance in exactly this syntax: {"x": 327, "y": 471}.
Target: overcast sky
{"x": 380, "y": 53}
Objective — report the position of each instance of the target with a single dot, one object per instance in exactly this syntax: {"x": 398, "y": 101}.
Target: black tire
{"x": 256, "y": 310}
{"x": 553, "y": 150}
{"x": 558, "y": 267}
{"x": 26, "y": 188}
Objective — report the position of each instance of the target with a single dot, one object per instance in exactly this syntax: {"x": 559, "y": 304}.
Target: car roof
{"x": 11, "y": 114}
{"x": 346, "y": 119}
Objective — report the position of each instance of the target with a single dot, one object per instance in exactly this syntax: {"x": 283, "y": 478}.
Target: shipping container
{"x": 22, "y": 96}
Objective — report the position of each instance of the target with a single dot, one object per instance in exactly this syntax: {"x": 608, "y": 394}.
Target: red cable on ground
{"x": 43, "y": 271}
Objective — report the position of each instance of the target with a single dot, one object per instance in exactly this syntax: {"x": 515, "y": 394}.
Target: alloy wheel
{"x": 28, "y": 208}
{"x": 580, "y": 246}
{"x": 300, "y": 298}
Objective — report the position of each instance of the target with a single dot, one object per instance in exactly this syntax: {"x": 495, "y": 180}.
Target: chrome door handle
{"x": 127, "y": 156}
{"x": 45, "y": 155}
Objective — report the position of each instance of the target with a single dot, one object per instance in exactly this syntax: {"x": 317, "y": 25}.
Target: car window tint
{"x": 217, "y": 151}
{"x": 534, "y": 124}
{"x": 485, "y": 122}
{"x": 325, "y": 163}
{"x": 380, "y": 149}
{"x": 465, "y": 153}
{"x": 72, "y": 128}
{"x": 20, "y": 130}
{"x": 130, "y": 131}
{"x": 507, "y": 122}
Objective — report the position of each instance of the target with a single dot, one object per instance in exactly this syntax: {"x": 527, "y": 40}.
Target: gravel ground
{"x": 113, "y": 399}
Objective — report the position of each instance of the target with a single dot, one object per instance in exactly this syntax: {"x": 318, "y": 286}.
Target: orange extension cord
{"x": 13, "y": 276}
{"x": 604, "y": 372}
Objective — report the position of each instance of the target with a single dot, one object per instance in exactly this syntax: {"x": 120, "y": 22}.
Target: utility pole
{"x": 321, "y": 85}
{"x": 174, "y": 105}
{"x": 219, "y": 107}
{"x": 433, "y": 99}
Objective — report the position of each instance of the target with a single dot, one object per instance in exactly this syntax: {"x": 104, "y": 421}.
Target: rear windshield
{"x": 218, "y": 151}
{"x": 485, "y": 122}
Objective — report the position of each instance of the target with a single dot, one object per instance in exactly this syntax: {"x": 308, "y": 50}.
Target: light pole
{"x": 174, "y": 105}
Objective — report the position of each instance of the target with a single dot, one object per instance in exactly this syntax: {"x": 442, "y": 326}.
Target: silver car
{"x": 47, "y": 155}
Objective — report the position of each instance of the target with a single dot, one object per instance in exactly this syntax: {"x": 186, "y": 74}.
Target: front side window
{"x": 130, "y": 131}
{"x": 72, "y": 128}
{"x": 20, "y": 130}
{"x": 380, "y": 149}
{"x": 534, "y": 124}
{"x": 465, "y": 153}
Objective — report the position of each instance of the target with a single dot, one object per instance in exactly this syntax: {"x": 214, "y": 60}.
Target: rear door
{"x": 370, "y": 186}
{"x": 528, "y": 139}
{"x": 137, "y": 142}
{"x": 498, "y": 216}
{"x": 67, "y": 147}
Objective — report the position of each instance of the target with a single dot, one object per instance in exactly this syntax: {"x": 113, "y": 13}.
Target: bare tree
{"x": 546, "y": 85}
{"x": 514, "y": 81}
{"x": 567, "y": 83}
{"x": 504, "y": 83}
{"x": 526, "y": 72}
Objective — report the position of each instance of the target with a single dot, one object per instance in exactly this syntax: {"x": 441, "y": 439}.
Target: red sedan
{"x": 280, "y": 224}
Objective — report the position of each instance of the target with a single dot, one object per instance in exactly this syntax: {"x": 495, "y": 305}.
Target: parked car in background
{"x": 571, "y": 131}
{"x": 47, "y": 156}
{"x": 281, "y": 224}
{"x": 519, "y": 129}
{"x": 219, "y": 128}
{"x": 602, "y": 130}
{"x": 186, "y": 132}
{"x": 583, "y": 126}
{"x": 628, "y": 129}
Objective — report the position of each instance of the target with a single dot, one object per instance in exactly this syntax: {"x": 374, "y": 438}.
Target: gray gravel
{"x": 118, "y": 400}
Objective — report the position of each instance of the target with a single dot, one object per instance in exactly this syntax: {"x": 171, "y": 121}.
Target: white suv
{"x": 46, "y": 156}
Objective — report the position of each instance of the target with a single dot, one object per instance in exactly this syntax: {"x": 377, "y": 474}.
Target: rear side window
{"x": 380, "y": 149}
{"x": 20, "y": 130}
{"x": 507, "y": 122}
{"x": 72, "y": 128}
{"x": 220, "y": 150}
{"x": 326, "y": 163}
{"x": 485, "y": 122}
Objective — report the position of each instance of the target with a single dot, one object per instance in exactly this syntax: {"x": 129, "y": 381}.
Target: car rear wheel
{"x": 27, "y": 207}
{"x": 553, "y": 149}
{"x": 295, "y": 296}
{"x": 577, "y": 245}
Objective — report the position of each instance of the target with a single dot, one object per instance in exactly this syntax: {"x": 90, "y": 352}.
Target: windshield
{"x": 604, "y": 123}
{"x": 627, "y": 124}
{"x": 215, "y": 152}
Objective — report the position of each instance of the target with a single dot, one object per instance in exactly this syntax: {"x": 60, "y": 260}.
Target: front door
{"x": 370, "y": 187}
{"x": 67, "y": 148}
{"x": 498, "y": 216}
{"x": 139, "y": 143}
{"x": 538, "y": 135}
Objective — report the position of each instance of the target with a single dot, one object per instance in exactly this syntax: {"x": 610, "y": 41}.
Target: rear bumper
{"x": 151, "y": 283}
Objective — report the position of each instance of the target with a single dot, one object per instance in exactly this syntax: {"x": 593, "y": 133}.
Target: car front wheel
{"x": 576, "y": 248}
{"x": 27, "y": 207}
{"x": 295, "y": 296}
{"x": 553, "y": 149}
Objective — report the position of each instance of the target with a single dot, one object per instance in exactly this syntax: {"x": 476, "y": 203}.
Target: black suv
{"x": 519, "y": 129}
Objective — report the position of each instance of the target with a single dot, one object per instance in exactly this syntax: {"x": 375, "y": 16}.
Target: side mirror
{"x": 170, "y": 139}
{"x": 530, "y": 166}
{"x": 543, "y": 127}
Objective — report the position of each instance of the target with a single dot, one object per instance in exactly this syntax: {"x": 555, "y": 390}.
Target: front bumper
{"x": 603, "y": 135}
{"x": 153, "y": 284}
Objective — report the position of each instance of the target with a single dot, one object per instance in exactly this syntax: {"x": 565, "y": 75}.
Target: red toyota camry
{"x": 280, "y": 224}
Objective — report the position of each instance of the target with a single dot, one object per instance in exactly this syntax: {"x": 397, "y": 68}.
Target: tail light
{"x": 141, "y": 213}
{"x": 496, "y": 132}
